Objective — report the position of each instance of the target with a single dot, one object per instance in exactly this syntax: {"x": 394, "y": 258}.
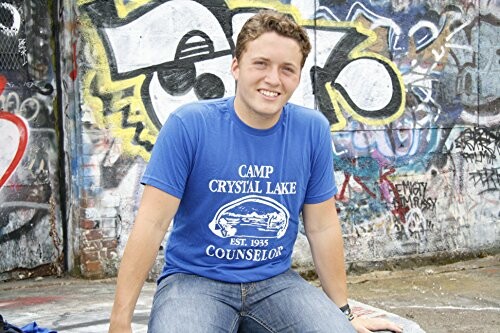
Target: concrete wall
{"x": 411, "y": 92}
{"x": 410, "y": 89}
{"x": 31, "y": 235}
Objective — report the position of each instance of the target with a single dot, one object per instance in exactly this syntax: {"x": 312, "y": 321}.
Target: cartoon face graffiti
{"x": 162, "y": 55}
{"x": 187, "y": 65}
{"x": 251, "y": 216}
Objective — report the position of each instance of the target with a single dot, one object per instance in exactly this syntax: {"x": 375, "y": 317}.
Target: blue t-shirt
{"x": 241, "y": 189}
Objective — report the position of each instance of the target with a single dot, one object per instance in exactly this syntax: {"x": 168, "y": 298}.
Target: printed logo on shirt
{"x": 252, "y": 222}
{"x": 251, "y": 216}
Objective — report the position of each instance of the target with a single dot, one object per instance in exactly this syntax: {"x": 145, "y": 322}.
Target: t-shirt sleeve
{"x": 170, "y": 162}
{"x": 321, "y": 185}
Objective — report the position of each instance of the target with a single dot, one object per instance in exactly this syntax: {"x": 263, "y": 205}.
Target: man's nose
{"x": 272, "y": 76}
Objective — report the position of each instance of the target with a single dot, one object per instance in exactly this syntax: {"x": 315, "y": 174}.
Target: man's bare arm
{"x": 325, "y": 238}
{"x": 156, "y": 210}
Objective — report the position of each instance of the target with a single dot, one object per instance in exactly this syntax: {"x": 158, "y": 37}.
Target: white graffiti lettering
{"x": 28, "y": 109}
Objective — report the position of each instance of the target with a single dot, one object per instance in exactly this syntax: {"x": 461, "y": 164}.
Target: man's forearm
{"x": 140, "y": 253}
{"x": 155, "y": 212}
{"x": 328, "y": 254}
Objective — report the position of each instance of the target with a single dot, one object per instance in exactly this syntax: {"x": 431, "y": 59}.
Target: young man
{"x": 235, "y": 174}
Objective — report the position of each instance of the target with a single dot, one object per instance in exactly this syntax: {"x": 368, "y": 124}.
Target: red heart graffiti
{"x": 7, "y": 162}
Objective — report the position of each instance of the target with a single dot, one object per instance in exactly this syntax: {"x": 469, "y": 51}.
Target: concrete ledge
{"x": 77, "y": 305}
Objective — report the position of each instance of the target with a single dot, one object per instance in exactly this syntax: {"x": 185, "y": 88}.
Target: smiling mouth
{"x": 268, "y": 93}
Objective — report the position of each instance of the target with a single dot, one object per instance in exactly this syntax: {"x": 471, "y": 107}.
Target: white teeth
{"x": 268, "y": 93}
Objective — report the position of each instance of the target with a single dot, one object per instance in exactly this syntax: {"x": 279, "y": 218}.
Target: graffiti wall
{"x": 410, "y": 89}
{"x": 30, "y": 223}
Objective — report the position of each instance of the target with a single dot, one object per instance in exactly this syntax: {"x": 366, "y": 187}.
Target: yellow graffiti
{"x": 123, "y": 8}
{"x": 97, "y": 82}
{"x": 271, "y": 4}
{"x": 84, "y": 2}
{"x": 126, "y": 95}
{"x": 359, "y": 51}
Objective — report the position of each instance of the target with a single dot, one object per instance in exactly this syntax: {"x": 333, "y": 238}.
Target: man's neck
{"x": 255, "y": 119}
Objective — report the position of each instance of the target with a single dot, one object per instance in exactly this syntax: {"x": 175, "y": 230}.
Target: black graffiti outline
{"x": 480, "y": 143}
{"x": 488, "y": 177}
{"x": 183, "y": 60}
{"x": 26, "y": 227}
{"x": 96, "y": 11}
{"x": 349, "y": 50}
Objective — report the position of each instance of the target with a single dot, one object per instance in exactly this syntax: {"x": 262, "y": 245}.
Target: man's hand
{"x": 367, "y": 325}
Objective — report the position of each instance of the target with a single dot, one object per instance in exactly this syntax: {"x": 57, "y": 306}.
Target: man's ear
{"x": 235, "y": 69}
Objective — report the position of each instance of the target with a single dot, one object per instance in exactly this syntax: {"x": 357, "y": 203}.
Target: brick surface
{"x": 88, "y": 224}
{"x": 90, "y": 256}
{"x": 92, "y": 267}
{"x": 93, "y": 234}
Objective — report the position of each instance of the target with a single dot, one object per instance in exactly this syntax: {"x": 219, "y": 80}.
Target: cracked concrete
{"x": 459, "y": 297}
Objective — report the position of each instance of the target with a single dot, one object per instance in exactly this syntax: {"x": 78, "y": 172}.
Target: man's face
{"x": 268, "y": 73}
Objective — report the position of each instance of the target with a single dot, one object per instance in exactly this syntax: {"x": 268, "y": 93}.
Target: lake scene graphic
{"x": 251, "y": 216}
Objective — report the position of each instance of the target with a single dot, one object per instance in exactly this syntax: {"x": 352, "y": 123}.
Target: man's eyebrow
{"x": 290, "y": 64}
{"x": 261, "y": 58}
{"x": 287, "y": 63}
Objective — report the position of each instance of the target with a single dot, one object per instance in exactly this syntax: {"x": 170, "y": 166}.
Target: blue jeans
{"x": 285, "y": 303}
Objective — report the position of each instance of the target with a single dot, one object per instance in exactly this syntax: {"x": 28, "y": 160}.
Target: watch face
{"x": 346, "y": 310}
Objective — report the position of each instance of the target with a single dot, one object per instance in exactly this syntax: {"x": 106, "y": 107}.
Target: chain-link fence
{"x": 13, "y": 52}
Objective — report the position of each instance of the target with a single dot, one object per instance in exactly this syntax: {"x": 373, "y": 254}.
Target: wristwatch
{"x": 346, "y": 309}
